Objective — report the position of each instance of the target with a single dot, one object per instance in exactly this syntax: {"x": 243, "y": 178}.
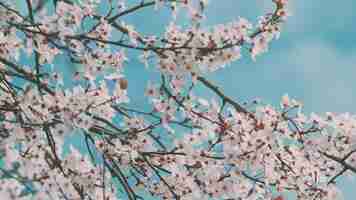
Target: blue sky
{"x": 314, "y": 61}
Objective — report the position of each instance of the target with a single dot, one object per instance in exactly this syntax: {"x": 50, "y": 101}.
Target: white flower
{"x": 285, "y": 101}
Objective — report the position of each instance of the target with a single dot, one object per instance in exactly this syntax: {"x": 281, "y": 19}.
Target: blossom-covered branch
{"x": 183, "y": 146}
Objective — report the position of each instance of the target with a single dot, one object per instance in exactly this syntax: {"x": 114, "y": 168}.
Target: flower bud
{"x": 123, "y": 83}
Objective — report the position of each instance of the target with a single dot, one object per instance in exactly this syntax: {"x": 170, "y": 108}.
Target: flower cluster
{"x": 185, "y": 146}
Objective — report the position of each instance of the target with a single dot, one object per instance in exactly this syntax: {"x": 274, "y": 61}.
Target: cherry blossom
{"x": 184, "y": 146}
